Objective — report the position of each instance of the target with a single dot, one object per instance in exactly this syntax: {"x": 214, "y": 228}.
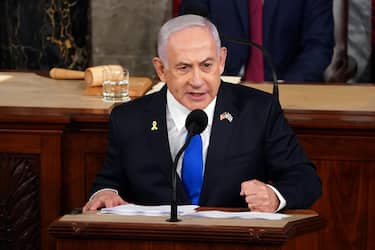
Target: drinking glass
{"x": 116, "y": 85}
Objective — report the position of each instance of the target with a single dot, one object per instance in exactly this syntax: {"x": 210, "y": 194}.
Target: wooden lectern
{"x": 93, "y": 231}
{"x": 57, "y": 134}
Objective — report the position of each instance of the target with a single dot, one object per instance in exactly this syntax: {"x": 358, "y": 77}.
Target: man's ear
{"x": 223, "y": 57}
{"x": 159, "y": 68}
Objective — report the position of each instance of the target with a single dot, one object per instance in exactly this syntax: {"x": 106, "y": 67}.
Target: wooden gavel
{"x": 93, "y": 76}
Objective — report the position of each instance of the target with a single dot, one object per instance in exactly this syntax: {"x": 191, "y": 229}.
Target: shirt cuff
{"x": 282, "y": 203}
{"x": 104, "y": 189}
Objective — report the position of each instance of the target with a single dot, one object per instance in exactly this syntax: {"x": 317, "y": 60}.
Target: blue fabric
{"x": 192, "y": 167}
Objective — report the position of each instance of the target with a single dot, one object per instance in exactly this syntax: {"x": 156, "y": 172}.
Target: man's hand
{"x": 105, "y": 198}
{"x": 259, "y": 196}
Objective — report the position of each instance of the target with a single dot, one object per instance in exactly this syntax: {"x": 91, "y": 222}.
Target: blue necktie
{"x": 192, "y": 167}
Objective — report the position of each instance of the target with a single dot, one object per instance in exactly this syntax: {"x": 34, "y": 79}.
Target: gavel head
{"x": 94, "y": 76}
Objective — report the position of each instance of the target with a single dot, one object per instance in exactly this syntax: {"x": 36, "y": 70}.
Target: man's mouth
{"x": 197, "y": 95}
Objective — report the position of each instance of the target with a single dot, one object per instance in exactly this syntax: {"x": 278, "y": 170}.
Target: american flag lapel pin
{"x": 227, "y": 116}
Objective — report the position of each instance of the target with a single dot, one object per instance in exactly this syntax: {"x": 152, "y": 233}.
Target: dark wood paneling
{"x": 345, "y": 161}
{"x": 83, "y": 156}
{"x": 339, "y": 147}
{"x": 147, "y": 245}
{"x": 93, "y": 163}
{"x": 19, "y": 202}
{"x": 345, "y": 203}
{"x": 44, "y": 147}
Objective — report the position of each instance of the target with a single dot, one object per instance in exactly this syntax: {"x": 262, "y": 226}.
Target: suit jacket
{"x": 297, "y": 33}
{"x": 257, "y": 144}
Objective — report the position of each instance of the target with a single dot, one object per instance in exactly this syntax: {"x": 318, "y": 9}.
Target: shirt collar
{"x": 179, "y": 112}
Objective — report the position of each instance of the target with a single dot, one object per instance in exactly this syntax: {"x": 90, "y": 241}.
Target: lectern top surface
{"x": 185, "y": 220}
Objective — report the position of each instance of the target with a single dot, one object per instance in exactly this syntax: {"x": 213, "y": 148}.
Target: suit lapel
{"x": 221, "y": 132}
{"x": 269, "y": 9}
{"x": 158, "y": 132}
{"x": 158, "y": 141}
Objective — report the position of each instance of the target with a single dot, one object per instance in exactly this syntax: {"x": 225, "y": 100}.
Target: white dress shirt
{"x": 176, "y": 116}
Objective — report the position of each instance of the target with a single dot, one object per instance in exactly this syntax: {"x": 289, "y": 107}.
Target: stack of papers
{"x": 188, "y": 210}
{"x": 132, "y": 209}
{"x": 241, "y": 215}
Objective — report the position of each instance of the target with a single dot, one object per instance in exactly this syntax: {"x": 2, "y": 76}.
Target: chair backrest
{"x": 342, "y": 66}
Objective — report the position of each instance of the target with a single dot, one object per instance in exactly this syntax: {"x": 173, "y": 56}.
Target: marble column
{"x": 41, "y": 34}
{"x": 124, "y": 32}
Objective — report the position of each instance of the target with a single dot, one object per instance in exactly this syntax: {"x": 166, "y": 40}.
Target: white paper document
{"x": 188, "y": 210}
{"x": 132, "y": 209}
{"x": 242, "y": 215}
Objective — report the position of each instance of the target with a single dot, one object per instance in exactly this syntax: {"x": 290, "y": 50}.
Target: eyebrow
{"x": 205, "y": 60}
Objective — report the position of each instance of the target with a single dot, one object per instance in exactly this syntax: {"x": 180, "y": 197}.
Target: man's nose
{"x": 197, "y": 78}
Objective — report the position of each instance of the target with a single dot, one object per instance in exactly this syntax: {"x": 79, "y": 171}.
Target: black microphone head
{"x": 196, "y": 122}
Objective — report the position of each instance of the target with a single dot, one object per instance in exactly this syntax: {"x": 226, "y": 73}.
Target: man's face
{"x": 194, "y": 67}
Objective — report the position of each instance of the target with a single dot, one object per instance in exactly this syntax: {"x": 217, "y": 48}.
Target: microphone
{"x": 198, "y": 9}
{"x": 267, "y": 55}
{"x": 195, "y": 123}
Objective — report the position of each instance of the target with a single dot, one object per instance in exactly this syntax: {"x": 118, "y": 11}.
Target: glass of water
{"x": 116, "y": 85}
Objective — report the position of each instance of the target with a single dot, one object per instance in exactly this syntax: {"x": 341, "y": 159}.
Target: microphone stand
{"x": 174, "y": 217}
{"x": 266, "y": 54}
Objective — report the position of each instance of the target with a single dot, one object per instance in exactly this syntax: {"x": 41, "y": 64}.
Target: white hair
{"x": 183, "y": 22}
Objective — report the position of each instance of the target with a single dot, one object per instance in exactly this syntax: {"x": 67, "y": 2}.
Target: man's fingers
{"x": 103, "y": 199}
{"x": 250, "y": 187}
{"x": 95, "y": 204}
{"x": 114, "y": 202}
{"x": 88, "y": 207}
{"x": 258, "y": 196}
{"x": 85, "y": 209}
{"x": 254, "y": 208}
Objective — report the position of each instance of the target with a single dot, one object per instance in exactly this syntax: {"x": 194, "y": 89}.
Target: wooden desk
{"x": 62, "y": 135}
{"x": 97, "y": 232}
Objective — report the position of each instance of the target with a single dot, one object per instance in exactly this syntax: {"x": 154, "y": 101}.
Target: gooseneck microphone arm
{"x": 174, "y": 217}
{"x": 266, "y": 54}
{"x": 195, "y": 123}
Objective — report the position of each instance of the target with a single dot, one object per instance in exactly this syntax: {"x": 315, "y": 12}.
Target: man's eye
{"x": 207, "y": 65}
{"x": 182, "y": 67}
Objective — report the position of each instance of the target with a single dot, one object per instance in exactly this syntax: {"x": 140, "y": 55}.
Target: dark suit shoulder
{"x": 137, "y": 105}
{"x": 244, "y": 95}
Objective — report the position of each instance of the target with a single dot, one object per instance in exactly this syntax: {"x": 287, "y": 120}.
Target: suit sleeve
{"x": 111, "y": 176}
{"x": 291, "y": 172}
{"x": 316, "y": 43}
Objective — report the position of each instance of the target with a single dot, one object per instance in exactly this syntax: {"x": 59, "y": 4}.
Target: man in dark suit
{"x": 251, "y": 156}
{"x": 297, "y": 33}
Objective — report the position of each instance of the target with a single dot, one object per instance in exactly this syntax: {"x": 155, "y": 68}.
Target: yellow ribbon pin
{"x": 154, "y": 126}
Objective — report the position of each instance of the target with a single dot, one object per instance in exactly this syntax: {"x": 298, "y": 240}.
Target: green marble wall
{"x": 41, "y": 34}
